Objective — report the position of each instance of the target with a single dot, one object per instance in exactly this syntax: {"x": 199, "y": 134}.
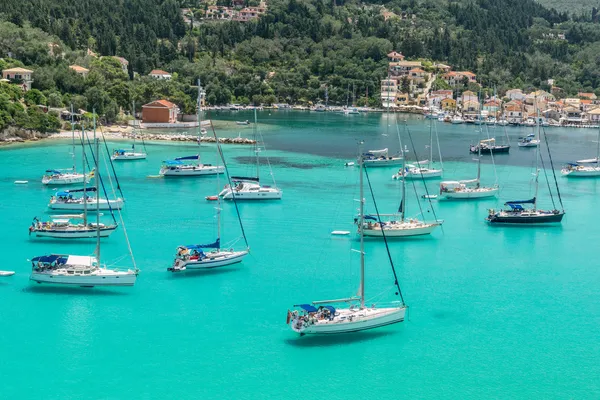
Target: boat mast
{"x": 256, "y": 147}
{"x": 199, "y": 108}
{"x": 97, "y": 143}
{"x": 133, "y": 113}
{"x": 361, "y": 220}
{"x": 537, "y": 160}
{"x": 478, "y": 165}
{"x": 84, "y": 191}
{"x": 430, "y": 143}
{"x": 598, "y": 149}
{"x": 403, "y": 200}
{"x": 73, "y": 141}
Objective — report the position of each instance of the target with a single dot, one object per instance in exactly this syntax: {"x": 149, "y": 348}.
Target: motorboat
{"x": 457, "y": 119}
{"x": 246, "y": 122}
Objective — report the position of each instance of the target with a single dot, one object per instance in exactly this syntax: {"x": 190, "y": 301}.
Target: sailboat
{"x": 488, "y": 146}
{"x": 584, "y": 168}
{"x": 130, "y": 155}
{"x": 194, "y": 257}
{"x": 320, "y": 317}
{"x": 250, "y": 188}
{"x": 191, "y": 165}
{"x": 56, "y": 177}
{"x": 470, "y": 188}
{"x": 528, "y": 141}
{"x": 517, "y": 214}
{"x": 78, "y": 270}
{"x": 396, "y": 225}
{"x": 423, "y": 169}
{"x": 62, "y": 227}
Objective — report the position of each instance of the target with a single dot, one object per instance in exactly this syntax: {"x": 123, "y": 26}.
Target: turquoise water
{"x": 494, "y": 312}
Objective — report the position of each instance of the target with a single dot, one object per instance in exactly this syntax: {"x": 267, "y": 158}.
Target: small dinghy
{"x": 212, "y": 198}
{"x": 340, "y": 233}
{"x": 21, "y": 182}
{"x": 349, "y": 164}
{"x": 246, "y": 122}
{"x": 7, "y": 273}
{"x": 154, "y": 176}
{"x": 430, "y": 196}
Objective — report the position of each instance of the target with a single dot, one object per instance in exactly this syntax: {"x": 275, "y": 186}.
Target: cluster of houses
{"x": 238, "y": 12}
{"x": 408, "y": 83}
{"x": 517, "y": 107}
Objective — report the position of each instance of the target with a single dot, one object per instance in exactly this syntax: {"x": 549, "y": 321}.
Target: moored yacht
{"x": 62, "y": 228}
{"x": 188, "y": 166}
{"x": 517, "y": 214}
{"x": 126, "y": 155}
{"x": 322, "y": 318}
{"x": 62, "y": 269}
{"x": 529, "y": 141}
{"x": 55, "y": 177}
{"x": 584, "y": 168}
{"x": 249, "y": 188}
{"x": 64, "y": 200}
{"x": 380, "y": 158}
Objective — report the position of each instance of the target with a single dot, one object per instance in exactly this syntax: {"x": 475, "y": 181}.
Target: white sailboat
{"x": 380, "y": 158}
{"x": 62, "y": 227}
{"x": 396, "y": 225}
{"x": 191, "y": 165}
{"x": 130, "y": 155}
{"x": 194, "y": 257}
{"x": 584, "y": 168}
{"x": 529, "y": 141}
{"x": 470, "y": 188}
{"x": 64, "y": 177}
{"x": 64, "y": 200}
{"x": 78, "y": 270}
{"x": 250, "y": 188}
{"x": 423, "y": 169}
{"x": 320, "y": 317}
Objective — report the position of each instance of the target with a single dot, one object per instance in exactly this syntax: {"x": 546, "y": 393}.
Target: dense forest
{"x": 293, "y": 52}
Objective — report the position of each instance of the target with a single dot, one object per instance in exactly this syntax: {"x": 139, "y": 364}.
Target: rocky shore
{"x": 17, "y": 135}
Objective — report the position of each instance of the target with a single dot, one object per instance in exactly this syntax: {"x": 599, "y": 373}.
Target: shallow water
{"x": 494, "y": 312}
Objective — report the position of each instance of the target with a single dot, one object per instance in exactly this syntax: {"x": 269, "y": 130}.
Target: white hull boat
{"x": 469, "y": 193}
{"x": 191, "y": 170}
{"x": 347, "y": 320}
{"x": 212, "y": 259}
{"x": 78, "y": 204}
{"x": 74, "y": 231}
{"x": 64, "y": 179}
{"x": 531, "y": 143}
{"x": 387, "y": 162}
{"x": 419, "y": 173}
{"x": 7, "y": 273}
{"x": 394, "y": 229}
{"x": 245, "y": 190}
{"x": 78, "y": 271}
{"x": 128, "y": 156}
{"x": 580, "y": 171}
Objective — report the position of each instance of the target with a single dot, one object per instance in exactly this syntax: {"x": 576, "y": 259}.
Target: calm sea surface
{"x": 494, "y": 312}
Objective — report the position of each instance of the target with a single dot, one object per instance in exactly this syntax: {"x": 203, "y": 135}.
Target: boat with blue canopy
{"x": 584, "y": 168}
{"x": 526, "y": 212}
{"x": 210, "y": 255}
{"x": 322, "y": 318}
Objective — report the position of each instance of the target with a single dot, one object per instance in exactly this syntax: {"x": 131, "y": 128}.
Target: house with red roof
{"x": 160, "y": 74}
{"x": 160, "y": 111}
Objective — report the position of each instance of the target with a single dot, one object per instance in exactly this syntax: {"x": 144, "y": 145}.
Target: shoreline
{"x": 125, "y": 133}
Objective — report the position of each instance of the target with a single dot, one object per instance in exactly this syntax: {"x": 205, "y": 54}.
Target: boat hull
{"x": 64, "y": 181}
{"x": 192, "y": 172}
{"x": 581, "y": 173}
{"x": 431, "y": 174}
{"x": 407, "y": 230}
{"x": 352, "y": 321}
{"x": 253, "y": 195}
{"x": 529, "y": 219}
{"x": 129, "y": 157}
{"x": 212, "y": 260}
{"x": 74, "y": 234}
{"x": 91, "y": 205}
{"x": 467, "y": 195}
{"x": 382, "y": 163}
{"x": 489, "y": 150}
{"x": 116, "y": 279}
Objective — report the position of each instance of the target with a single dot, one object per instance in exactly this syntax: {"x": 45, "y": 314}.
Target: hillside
{"x": 292, "y": 52}
{"x": 571, "y": 6}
